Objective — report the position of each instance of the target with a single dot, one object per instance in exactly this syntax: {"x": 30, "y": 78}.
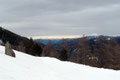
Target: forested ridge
{"x": 101, "y": 51}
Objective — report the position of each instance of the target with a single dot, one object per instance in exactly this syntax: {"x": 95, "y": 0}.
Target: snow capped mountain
{"x": 26, "y": 67}
{"x": 93, "y": 34}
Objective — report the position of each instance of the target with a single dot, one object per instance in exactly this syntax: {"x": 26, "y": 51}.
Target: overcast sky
{"x": 60, "y": 17}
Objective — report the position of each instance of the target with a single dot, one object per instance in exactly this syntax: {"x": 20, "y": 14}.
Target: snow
{"x": 93, "y": 34}
{"x": 108, "y": 38}
{"x": 26, "y": 67}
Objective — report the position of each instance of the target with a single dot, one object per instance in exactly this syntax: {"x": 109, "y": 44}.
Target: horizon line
{"x": 65, "y": 36}
{"x": 57, "y": 37}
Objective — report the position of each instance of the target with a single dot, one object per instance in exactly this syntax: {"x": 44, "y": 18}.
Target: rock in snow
{"x": 26, "y": 67}
{"x": 8, "y": 50}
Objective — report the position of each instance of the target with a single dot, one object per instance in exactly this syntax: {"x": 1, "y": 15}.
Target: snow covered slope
{"x": 26, "y": 67}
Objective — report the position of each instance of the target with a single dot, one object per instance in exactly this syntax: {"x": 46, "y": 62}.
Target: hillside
{"x": 20, "y": 43}
{"x": 96, "y": 51}
{"x": 26, "y": 67}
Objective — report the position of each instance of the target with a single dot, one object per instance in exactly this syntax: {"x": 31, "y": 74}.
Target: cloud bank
{"x": 60, "y": 17}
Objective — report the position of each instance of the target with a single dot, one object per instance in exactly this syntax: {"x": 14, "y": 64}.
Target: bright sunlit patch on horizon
{"x": 68, "y": 36}
{"x": 57, "y": 37}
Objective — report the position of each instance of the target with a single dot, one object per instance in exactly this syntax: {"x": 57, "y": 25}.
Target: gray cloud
{"x": 60, "y": 17}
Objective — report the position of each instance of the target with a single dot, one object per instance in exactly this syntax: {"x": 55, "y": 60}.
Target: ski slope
{"x": 26, "y": 67}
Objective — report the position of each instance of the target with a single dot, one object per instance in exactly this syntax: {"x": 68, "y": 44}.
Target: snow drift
{"x": 26, "y": 67}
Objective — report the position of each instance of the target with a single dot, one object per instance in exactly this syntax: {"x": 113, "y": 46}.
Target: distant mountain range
{"x": 57, "y": 40}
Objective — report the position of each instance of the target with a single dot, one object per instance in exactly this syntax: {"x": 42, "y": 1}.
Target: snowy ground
{"x": 26, "y": 67}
